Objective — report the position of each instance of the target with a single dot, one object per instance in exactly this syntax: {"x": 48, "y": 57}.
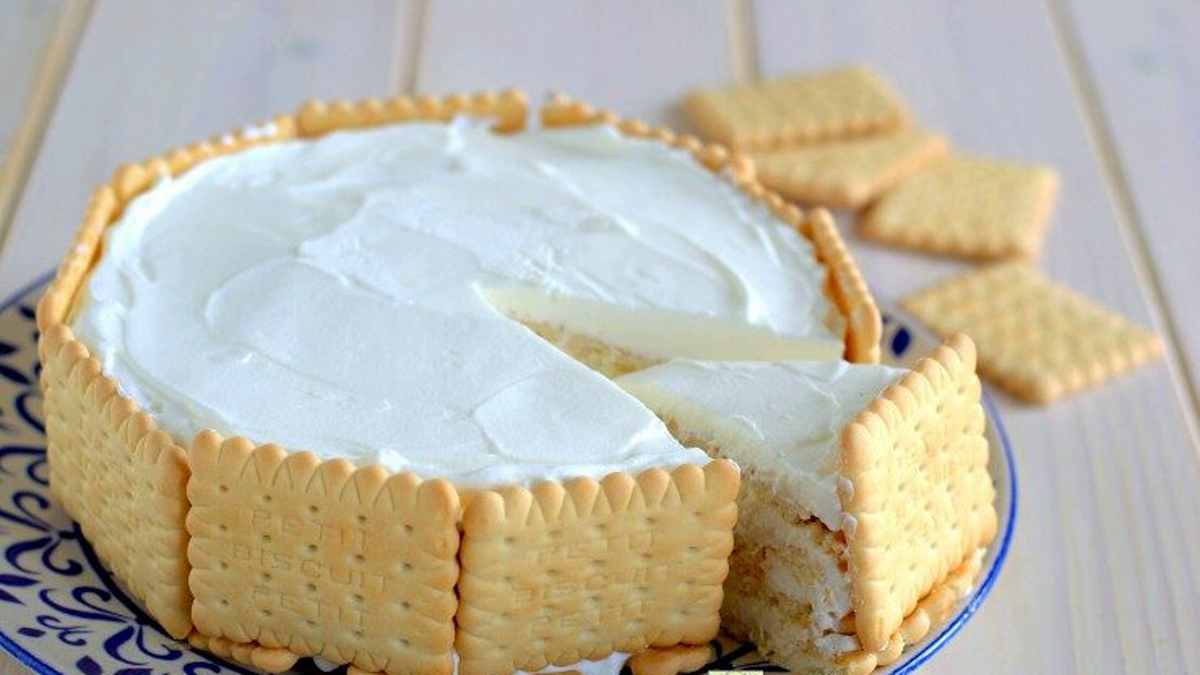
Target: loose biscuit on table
{"x": 803, "y": 108}
{"x": 966, "y": 206}
{"x": 1037, "y": 339}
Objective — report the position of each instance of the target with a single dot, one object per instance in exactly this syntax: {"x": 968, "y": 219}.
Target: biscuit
{"x": 835, "y": 104}
{"x": 846, "y": 287}
{"x": 1037, "y": 339}
{"x": 968, "y": 207}
{"x": 847, "y": 174}
{"x": 320, "y": 558}
{"x": 317, "y": 118}
{"x": 915, "y": 489}
{"x": 262, "y": 658}
{"x": 119, "y": 477}
{"x": 930, "y": 613}
{"x": 569, "y": 571}
{"x": 670, "y": 660}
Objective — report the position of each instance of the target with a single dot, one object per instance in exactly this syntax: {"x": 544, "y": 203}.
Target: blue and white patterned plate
{"x": 61, "y": 612}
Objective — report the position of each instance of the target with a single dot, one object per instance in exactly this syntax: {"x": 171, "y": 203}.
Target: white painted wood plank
{"x": 1104, "y": 572}
{"x": 635, "y": 57}
{"x": 39, "y": 39}
{"x": 25, "y": 32}
{"x": 152, "y": 75}
{"x": 1141, "y": 62}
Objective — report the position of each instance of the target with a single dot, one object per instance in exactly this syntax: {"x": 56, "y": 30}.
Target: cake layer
{"x": 782, "y": 421}
{"x": 349, "y": 295}
{"x": 787, "y": 554}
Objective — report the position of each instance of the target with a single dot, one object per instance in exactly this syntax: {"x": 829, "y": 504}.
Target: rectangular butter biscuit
{"x": 848, "y": 174}
{"x": 969, "y": 207}
{"x": 775, "y": 113}
{"x": 1037, "y": 339}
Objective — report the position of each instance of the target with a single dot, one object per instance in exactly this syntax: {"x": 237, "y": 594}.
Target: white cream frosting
{"x": 782, "y": 421}
{"x": 352, "y": 296}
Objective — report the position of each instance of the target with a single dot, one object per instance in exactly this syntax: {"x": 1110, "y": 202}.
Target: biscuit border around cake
{"x": 142, "y": 455}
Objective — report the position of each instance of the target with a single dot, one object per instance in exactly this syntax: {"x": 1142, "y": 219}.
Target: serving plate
{"x": 62, "y": 612}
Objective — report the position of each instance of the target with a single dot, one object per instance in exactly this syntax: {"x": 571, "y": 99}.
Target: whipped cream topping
{"x": 782, "y": 421}
{"x": 356, "y": 295}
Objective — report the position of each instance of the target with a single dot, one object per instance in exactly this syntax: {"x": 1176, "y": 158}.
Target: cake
{"x": 343, "y": 395}
{"x": 865, "y": 504}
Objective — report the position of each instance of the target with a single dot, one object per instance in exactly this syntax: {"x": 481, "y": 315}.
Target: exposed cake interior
{"x": 782, "y": 423}
{"x": 366, "y": 295}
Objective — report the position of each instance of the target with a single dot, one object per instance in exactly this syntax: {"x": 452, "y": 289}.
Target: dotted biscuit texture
{"x": 835, "y": 104}
{"x": 250, "y": 654}
{"x": 119, "y": 477}
{"x": 576, "y": 570}
{"x": 1037, "y": 339}
{"x": 848, "y": 174}
{"x": 968, "y": 207}
{"x": 846, "y": 287}
{"x": 916, "y": 489}
{"x": 322, "y": 559}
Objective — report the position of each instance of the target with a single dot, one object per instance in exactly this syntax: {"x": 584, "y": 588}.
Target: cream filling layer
{"x": 781, "y": 421}
{"x": 348, "y": 296}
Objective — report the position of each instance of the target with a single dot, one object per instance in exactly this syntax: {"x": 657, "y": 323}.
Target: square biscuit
{"x": 915, "y": 488}
{"x": 968, "y": 207}
{"x": 119, "y": 477}
{"x": 931, "y": 612}
{"x": 848, "y": 174}
{"x": 804, "y": 108}
{"x": 322, "y": 559}
{"x": 568, "y": 571}
{"x": 1037, "y": 339}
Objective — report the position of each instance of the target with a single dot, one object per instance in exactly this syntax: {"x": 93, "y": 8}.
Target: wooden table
{"x": 1104, "y": 575}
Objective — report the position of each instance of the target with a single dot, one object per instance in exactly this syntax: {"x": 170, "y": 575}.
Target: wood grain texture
{"x": 634, "y": 57}
{"x": 152, "y": 75}
{"x": 1140, "y": 76}
{"x": 1104, "y": 569}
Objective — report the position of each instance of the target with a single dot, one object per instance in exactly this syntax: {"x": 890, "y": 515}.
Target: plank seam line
{"x": 1129, "y": 219}
{"x": 743, "y": 41}
{"x": 407, "y": 82}
{"x": 52, "y": 73}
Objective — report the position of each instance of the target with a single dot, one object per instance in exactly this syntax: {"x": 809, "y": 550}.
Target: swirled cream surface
{"x": 781, "y": 421}
{"x": 355, "y": 295}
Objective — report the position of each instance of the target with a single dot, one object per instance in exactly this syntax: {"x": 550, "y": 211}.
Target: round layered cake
{"x": 342, "y": 386}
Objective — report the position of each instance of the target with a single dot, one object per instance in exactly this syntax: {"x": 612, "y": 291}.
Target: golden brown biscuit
{"x": 1037, "y": 339}
{"x": 969, "y": 207}
{"x": 321, "y": 559}
{"x": 848, "y": 174}
{"x": 804, "y": 108}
